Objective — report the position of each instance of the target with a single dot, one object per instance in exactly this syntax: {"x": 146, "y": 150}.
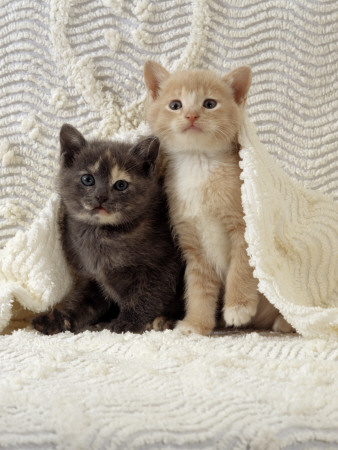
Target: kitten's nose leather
{"x": 192, "y": 117}
{"x": 101, "y": 198}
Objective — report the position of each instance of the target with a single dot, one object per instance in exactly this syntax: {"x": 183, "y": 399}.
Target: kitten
{"x": 116, "y": 238}
{"x": 197, "y": 116}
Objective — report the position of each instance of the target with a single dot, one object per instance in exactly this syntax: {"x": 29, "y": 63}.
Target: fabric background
{"x": 81, "y": 62}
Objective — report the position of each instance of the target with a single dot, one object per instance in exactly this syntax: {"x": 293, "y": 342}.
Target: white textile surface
{"x": 81, "y": 62}
{"x": 164, "y": 390}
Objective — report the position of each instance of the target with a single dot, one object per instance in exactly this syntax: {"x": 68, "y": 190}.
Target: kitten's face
{"x": 106, "y": 183}
{"x": 195, "y": 110}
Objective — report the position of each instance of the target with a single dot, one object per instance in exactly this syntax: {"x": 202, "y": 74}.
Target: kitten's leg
{"x": 138, "y": 314}
{"x": 202, "y": 288}
{"x": 143, "y": 294}
{"x": 282, "y": 326}
{"x": 125, "y": 326}
{"x": 130, "y": 320}
{"x": 241, "y": 295}
{"x": 173, "y": 308}
{"x": 131, "y": 289}
{"x": 84, "y": 305}
{"x": 268, "y": 317}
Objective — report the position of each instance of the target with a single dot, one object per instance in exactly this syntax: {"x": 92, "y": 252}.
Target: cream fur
{"x": 203, "y": 186}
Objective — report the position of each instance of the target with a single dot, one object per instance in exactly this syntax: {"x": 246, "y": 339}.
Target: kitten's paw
{"x": 239, "y": 315}
{"x": 187, "y": 328}
{"x": 282, "y": 326}
{"x": 51, "y": 323}
{"x": 162, "y": 323}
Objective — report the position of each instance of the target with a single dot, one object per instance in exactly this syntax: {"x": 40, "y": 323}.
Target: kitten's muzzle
{"x": 192, "y": 127}
{"x": 101, "y": 210}
{"x": 192, "y": 117}
{"x": 101, "y": 199}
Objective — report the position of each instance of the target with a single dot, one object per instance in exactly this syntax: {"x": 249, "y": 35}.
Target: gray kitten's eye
{"x": 209, "y": 103}
{"x": 175, "y": 104}
{"x": 88, "y": 180}
{"x": 121, "y": 185}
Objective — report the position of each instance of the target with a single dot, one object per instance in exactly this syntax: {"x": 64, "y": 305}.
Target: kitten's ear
{"x": 71, "y": 141}
{"x": 240, "y": 81}
{"x": 147, "y": 150}
{"x": 154, "y": 75}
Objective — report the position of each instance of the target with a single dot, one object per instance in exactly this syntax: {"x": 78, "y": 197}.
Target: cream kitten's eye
{"x": 175, "y": 104}
{"x": 209, "y": 103}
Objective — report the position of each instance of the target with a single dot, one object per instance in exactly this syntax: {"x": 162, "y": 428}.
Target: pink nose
{"x": 192, "y": 117}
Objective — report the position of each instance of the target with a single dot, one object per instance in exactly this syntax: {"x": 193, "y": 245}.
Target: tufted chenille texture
{"x": 165, "y": 390}
{"x": 81, "y": 62}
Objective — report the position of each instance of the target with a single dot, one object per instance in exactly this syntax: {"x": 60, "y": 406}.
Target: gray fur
{"x": 128, "y": 271}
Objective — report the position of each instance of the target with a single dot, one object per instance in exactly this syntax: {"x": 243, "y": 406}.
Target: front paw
{"x": 161, "y": 323}
{"x": 51, "y": 323}
{"x": 239, "y": 315}
{"x": 185, "y": 327}
{"x": 123, "y": 326}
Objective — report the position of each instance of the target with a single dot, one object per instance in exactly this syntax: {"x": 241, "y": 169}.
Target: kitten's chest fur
{"x": 100, "y": 251}
{"x": 188, "y": 178}
{"x": 205, "y": 194}
{"x": 93, "y": 249}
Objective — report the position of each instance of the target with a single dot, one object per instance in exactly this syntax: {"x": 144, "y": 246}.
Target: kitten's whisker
{"x": 130, "y": 168}
{"x": 150, "y": 144}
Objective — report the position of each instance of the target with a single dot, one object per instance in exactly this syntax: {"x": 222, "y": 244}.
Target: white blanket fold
{"x": 81, "y": 62}
{"x": 292, "y": 236}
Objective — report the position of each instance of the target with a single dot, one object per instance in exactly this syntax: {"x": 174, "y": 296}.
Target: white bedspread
{"x": 81, "y": 62}
{"x": 164, "y": 390}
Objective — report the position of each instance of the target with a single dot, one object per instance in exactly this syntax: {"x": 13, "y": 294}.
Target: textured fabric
{"x": 165, "y": 390}
{"x": 292, "y": 233}
{"x": 81, "y": 62}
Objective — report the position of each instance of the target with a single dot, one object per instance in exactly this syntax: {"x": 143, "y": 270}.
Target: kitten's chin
{"x": 99, "y": 216}
{"x": 192, "y": 129}
{"x": 106, "y": 218}
{"x": 101, "y": 212}
{"x": 195, "y": 141}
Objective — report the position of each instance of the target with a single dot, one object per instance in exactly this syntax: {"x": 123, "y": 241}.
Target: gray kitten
{"x": 116, "y": 238}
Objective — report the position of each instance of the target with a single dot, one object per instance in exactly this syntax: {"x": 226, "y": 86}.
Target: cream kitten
{"x": 197, "y": 116}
